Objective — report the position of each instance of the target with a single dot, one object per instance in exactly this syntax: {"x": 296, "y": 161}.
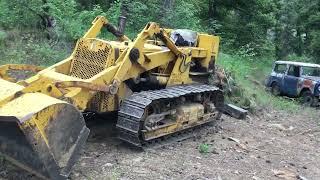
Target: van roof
{"x": 298, "y": 63}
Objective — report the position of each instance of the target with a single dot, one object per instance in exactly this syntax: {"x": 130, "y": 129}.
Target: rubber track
{"x": 130, "y": 116}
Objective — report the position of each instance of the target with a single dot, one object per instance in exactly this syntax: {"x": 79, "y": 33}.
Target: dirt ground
{"x": 269, "y": 145}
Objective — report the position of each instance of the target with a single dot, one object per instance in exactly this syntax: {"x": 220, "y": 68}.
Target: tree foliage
{"x": 248, "y": 27}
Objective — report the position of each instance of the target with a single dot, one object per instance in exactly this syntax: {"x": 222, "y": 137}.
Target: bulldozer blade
{"x": 42, "y": 135}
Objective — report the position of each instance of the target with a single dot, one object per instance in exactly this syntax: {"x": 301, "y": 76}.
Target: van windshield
{"x": 311, "y": 71}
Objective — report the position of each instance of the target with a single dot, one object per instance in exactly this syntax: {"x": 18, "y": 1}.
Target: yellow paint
{"x": 38, "y": 122}
{"x": 7, "y": 89}
{"x": 95, "y": 67}
{"x": 172, "y": 63}
{"x": 33, "y": 110}
{"x": 97, "y": 24}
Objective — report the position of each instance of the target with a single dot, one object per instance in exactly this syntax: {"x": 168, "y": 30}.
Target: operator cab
{"x": 184, "y": 37}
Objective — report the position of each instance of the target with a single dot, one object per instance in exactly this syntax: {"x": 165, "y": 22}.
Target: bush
{"x": 295, "y": 57}
{"x": 315, "y": 45}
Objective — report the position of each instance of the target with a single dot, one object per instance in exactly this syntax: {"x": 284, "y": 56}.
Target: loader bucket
{"x": 42, "y": 135}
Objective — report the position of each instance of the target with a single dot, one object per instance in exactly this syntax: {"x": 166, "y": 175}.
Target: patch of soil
{"x": 270, "y": 145}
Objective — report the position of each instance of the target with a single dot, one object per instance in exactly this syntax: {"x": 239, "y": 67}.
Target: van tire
{"x": 275, "y": 89}
{"x": 307, "y": 99}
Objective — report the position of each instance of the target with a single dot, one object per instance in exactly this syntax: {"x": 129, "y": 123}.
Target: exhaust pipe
{"x": 123, "y": 17}
{"x": 122, "y": 24}
{"x": 119, "y": 32}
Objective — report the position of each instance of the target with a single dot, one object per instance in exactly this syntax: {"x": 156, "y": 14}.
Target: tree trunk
{"x": 167, "y": 6}
{"x": 123, "y": 15}
{"x": 47, "y": 20}
{"x": 299, "y": 46}
{"x": 213, "y": 13}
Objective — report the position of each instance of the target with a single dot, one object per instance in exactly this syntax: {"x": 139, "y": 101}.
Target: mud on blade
{"x": 42, "y": 135}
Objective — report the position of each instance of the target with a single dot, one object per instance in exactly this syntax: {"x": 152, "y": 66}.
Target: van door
{"x": 291, "y": 79}
{"x": 277, "y": 75}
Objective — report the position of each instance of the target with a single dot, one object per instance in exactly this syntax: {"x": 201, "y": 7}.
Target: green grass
{"x": 249, "y": 75}
{"x": 30, "y": 47}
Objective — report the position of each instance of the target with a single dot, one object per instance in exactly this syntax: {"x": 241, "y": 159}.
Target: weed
{"x": 204, "y": 148}
{"x": 116, "y": 174}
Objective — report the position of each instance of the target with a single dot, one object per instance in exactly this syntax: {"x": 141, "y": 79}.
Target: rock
{"x": 292, "y": 164}
{"x": 214, "y": 151}
{"x": 108, "y": 165}
{"x": 236, "y": 172}
{"x": 256, "y": 178}
{"x": 170, "y": 147}
{"x": 301, "y": 177}
{"x": 138, "y": 159}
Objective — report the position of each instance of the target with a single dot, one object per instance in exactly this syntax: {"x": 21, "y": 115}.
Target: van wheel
{"x": 307, "y": 99}
{"x": 275, "y": 89}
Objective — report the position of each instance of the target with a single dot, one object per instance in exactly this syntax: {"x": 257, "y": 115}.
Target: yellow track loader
{"x": 157, "y": 84}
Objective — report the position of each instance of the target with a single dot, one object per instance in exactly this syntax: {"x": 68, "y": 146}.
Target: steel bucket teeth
{"x": 42, "y": 135}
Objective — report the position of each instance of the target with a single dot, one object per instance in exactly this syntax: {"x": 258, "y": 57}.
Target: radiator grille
{"x": 87, "y": 61}
{"x": 99, "y": 102}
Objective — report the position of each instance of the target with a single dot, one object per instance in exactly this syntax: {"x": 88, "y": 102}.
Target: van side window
{"x": 280, "y": 68}
{"x": 294, "y": 71}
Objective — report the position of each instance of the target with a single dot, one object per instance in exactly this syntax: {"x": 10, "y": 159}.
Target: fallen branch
{"x": 247, "y": 148}
{"x": 278, "y": 154}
